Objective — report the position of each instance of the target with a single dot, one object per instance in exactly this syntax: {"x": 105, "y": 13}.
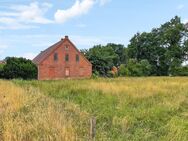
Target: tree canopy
{"x": 103, "y": 58}
{"x": 162, "y": 50}
{"x": 165, "y": 47}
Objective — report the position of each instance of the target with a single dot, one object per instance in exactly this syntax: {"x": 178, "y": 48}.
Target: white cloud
{"x": 180, "y": 7}
{"x": 28, "y": 16}
{"x": 103, "y": 2}
{"x": 11, "y": 23}
{"x": 21, "y": 16}
{"x": 79, "y": 8}
{"x": 34, "y": 12}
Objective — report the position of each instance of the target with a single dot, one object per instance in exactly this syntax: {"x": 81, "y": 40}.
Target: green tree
{"x": 103, "y": 58}
{"x": 19, "y": 68}
{"x": 135, "y": 68}
{"x": 164, "y": 47}
{"x": 121, "y": 52}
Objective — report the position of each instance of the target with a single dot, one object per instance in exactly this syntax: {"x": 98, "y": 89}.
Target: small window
{"x": 77, "y": 58}
{"x": 66, "y": 57}
{"x": 66, "y": 47}
{"x": 55, "y": 56}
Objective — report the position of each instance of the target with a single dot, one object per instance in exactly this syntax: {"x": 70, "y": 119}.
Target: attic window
{"x": 55, "y": 56}
{"x": 66, "y": 47}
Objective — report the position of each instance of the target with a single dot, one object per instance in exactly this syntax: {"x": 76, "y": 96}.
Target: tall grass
{"x": 27, "y": 115}
{"x": 139, "y": 109}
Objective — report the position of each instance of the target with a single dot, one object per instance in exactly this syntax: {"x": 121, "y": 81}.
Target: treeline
{"x": 160, "y": 52}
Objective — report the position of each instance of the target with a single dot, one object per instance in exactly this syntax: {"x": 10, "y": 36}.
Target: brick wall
{"x": 50, "y": 69}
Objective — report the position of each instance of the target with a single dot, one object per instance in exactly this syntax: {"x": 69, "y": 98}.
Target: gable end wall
{"x": 49, "y": 69}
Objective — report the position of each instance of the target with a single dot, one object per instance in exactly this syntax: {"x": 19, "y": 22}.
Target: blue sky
{"x": 29, "y": 26}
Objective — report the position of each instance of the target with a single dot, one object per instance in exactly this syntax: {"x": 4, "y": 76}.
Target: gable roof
{"x": 44, "y": 54}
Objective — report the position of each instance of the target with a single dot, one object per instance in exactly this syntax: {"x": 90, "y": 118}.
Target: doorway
{"x": 67, "y": 72}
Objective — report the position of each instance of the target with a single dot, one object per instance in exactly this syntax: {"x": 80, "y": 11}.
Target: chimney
{"x": 66, "y": 37}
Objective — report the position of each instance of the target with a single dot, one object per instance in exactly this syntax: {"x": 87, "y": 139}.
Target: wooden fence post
{"x": 92, "y": 128}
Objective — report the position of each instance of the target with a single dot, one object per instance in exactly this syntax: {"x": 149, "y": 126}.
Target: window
{"x": 55, "y": 56}
{"x": 66, "y": 47}
{"x": 77, "y": 58}
{"x": 66, "y": 57}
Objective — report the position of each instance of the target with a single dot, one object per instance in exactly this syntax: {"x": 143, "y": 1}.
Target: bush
{"x": 145, "y": 67}
{"x": 180, "y": 71}
{"x": 135, "y": 68}
{"x": 19, "y": 68}
{"x": 95, "y": 75}
{"x": 123, "y": 71}
{"x": 1, "y": 70}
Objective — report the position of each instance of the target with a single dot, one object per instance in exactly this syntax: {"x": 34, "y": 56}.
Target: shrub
{"x": 123, "y": 71}
{"x": 19, "y": 68}
{"x": 135, "y": 68}
{"x": 145, "y": 67}
{"x": 95, "y": 75}
{"x": 180, "y": 71}
{"x": 1, "y": 70}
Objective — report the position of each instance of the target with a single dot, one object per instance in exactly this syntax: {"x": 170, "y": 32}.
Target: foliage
{"x": 123, "y": 71}
{"x": 180, "y": 71}
{"x": 95, "y": 75}
{"x": 103, "y": 58}
{"x": 163, "y": 50}
{"x": 19, "y": 68}
{"x": 165, "y": 47}
{"x": 1, "y": 70}
{"x": 135, "y": 68}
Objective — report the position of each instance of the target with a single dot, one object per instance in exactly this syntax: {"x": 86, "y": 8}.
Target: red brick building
{"x": 62, "y": 60}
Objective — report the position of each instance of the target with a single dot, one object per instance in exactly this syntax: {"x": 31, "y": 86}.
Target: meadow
{"x": 126, "y": 109}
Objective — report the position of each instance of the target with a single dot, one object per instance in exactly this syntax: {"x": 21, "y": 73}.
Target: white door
{"x": 67, "y": 72}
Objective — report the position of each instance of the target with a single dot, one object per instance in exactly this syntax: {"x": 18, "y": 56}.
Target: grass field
{"x": 132, "y": 109}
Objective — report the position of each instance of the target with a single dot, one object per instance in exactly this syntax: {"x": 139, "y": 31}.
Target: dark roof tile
{"x": 39, "y": 58}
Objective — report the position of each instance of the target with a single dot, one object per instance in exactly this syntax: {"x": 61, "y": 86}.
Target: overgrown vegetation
{"x": 125, "y": 108}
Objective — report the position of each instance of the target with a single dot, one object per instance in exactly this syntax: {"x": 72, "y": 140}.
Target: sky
{"x": 29, "y": 26}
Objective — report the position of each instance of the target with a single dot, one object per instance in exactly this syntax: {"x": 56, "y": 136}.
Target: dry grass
{"x": 27, "y": 115}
